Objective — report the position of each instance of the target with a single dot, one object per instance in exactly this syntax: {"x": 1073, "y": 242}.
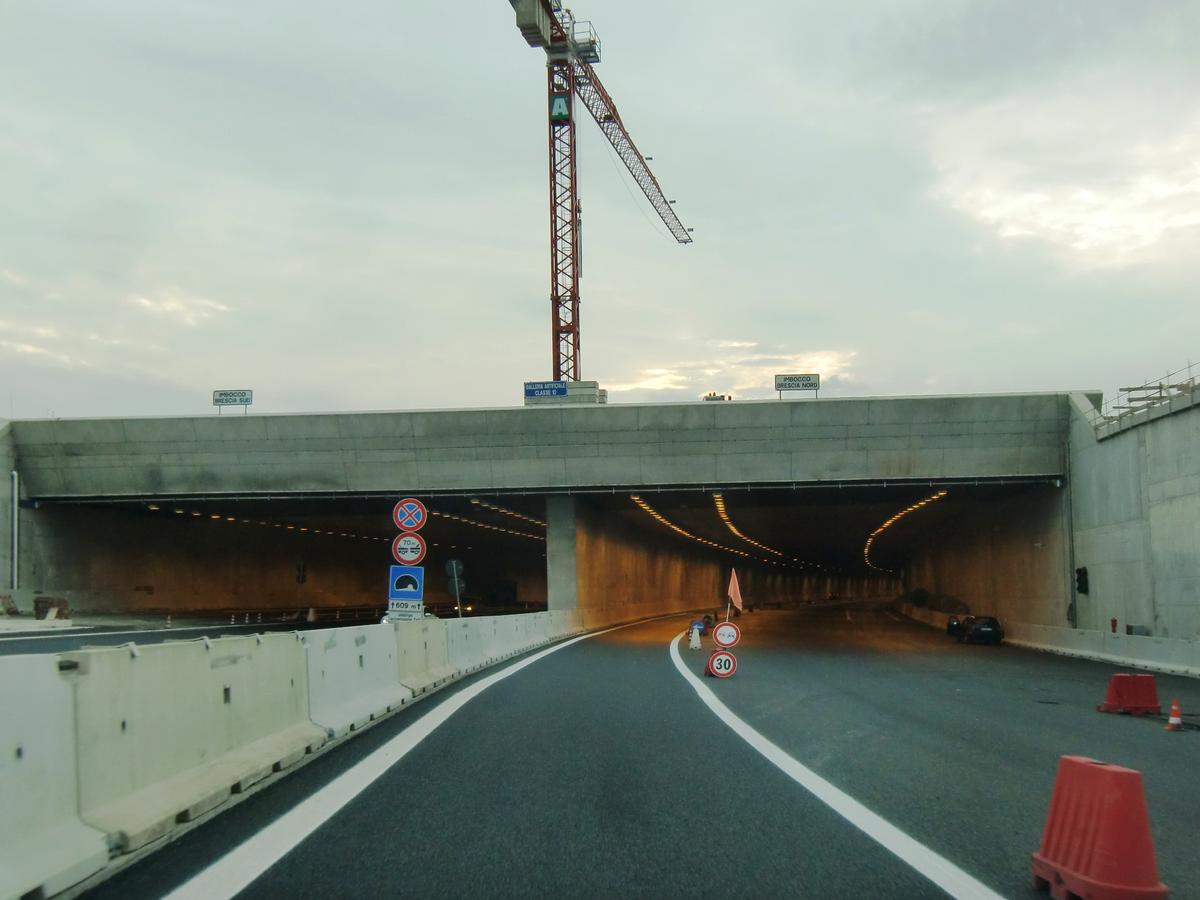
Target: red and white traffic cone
{"x": 1175, "y": 721}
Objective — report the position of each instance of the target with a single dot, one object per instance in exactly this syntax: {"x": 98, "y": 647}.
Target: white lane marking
{"x": 59, "y": 632}
{"x": 235, "y": 871}
{"x": 949, "y": 877}
{"x": 72, "y": 632}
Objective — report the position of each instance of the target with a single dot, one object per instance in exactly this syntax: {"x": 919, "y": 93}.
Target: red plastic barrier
{"x": 1135, "y": 695}
{"x": 1096, "y": 843}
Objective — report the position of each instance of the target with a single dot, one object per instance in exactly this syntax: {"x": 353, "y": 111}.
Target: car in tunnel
{"x": 978, "y": 630}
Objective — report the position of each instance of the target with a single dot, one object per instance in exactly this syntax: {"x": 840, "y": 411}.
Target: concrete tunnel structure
{"x": 1032, "y": 490}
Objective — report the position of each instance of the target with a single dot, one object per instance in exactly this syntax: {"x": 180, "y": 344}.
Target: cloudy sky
{"x": 343, "y": 205}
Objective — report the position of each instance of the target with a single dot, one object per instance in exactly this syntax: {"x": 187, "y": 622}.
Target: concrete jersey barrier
{"x": 353, "y": 676}
{"x": 464, "y": 644}
{"x": 421, "y": 654}
{"x": 44, "y": 846}
{"x": 166, "y": 732}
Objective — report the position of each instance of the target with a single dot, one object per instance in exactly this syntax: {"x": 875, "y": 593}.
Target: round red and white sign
{"x": 410, "y": 514}
{"x": 726, "y": 634}
{"x": 722, "y": 664}
{"x": 408, "y": 549}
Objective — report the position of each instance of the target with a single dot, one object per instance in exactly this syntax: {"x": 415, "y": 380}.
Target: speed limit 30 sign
{"x": 726, "y": 635}
{"x": 722, "y": 664}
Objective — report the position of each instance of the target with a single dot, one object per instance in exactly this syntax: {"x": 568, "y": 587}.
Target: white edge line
{"x": 238, "y": 868}
{"x": 933, "y": 866}
{"x": 74, "y": 630}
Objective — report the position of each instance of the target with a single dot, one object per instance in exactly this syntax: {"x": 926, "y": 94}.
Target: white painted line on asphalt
{"x": 949, "y": 877}
{"x": 58, "y": 632}
{"x": 238, "y": 868}
{"x": 72, "y": 632}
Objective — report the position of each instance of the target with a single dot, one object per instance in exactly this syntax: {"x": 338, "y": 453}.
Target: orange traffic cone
{"x": 1175, "y": 722}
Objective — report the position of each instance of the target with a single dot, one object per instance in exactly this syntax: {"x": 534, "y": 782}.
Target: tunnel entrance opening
{"x": 988, "y": 547}
{"x": 229, "y": 554}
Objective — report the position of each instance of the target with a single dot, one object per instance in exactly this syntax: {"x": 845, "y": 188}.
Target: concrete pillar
{"x": 561, "y": 582}
{"x": 8, "y": 462}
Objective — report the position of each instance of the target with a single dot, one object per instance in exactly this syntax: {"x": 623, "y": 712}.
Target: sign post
{"x": 454, "y": 571}
{"x": 809, "y": 382}
{"x": 406, "y": 581}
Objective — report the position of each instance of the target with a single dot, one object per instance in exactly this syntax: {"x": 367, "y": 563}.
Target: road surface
{"x": 597, "y": 770}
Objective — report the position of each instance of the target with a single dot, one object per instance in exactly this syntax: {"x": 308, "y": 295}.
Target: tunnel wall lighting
{"x": 719, "y": 502}
{"x": 683, "y": 532}
{"x": 453, "y": 517}
{"x": 508, "y": 512}
{"x": 908, "y": 510}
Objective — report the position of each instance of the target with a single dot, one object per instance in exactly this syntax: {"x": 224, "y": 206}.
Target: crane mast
{"x": 571, "y": 49}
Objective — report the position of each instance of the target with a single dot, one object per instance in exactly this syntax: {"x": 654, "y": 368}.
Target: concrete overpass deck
{"x": 567, "y": 448}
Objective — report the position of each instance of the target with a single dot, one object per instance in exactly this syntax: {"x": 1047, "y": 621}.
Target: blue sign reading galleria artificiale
{"x": 545, "y": 389}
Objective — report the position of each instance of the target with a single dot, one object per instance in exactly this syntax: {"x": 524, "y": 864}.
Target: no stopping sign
{"x": 722, "y": 664}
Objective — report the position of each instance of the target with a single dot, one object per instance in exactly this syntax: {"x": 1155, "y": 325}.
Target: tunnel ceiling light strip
{"x": 719, "y": 502}
{"x": 508, "y": 512}
{"x": 663, "y": 520}
{"x": 453, "y": 517}
{"x": 920, "y": 504}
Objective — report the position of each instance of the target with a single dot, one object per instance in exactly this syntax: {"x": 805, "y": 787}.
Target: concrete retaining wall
{"x": 43, "y": 843}
{"x": 621, "y": 577}
{"x": 1005, "y": 555}
{"x": 1136, "y": 521}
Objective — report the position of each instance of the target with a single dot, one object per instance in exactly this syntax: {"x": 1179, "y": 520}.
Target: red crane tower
{"x": 572, "y": 47}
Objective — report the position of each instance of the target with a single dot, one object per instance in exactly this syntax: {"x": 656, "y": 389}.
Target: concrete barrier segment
{"x": 464, "y": 644}
{"x": 353, "y": 676}
{"x": 421, "y": 653}
{"x": 167, "y": 732}
{"x": 44, "y": 846}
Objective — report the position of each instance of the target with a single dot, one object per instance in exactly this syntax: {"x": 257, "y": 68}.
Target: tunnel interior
{"x": 985, "y": 546}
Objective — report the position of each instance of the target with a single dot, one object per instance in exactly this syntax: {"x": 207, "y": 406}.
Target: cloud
{"x": 187, "y": 311}
{"x": 26, "y": 349}
{"x": 748, "y": 376}
{"x": 38, "y": 331}
{"x": 13, "y": 277}
{"x": 1079, "y": 166}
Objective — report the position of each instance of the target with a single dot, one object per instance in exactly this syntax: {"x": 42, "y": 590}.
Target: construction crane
{"x": 572, "y": 48}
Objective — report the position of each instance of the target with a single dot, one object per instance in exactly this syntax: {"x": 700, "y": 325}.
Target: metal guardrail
{"x": 1130, "y": 402}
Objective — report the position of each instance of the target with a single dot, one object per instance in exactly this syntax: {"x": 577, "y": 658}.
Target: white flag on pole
{"x": 735, "y": 593}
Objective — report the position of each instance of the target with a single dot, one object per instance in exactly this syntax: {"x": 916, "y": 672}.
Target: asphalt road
{"x": 597, "y": 771}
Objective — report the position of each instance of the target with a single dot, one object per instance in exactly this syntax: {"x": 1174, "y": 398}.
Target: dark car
{"x": 980, "y": 630}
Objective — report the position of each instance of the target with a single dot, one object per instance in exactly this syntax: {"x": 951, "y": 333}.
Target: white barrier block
{"x": 43, "y": 843}
{"x": 464, "y": 644}
{"x": 167, "y": 734}
{"x": 421, "y": 654}
{"x": 353, "y": 676}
